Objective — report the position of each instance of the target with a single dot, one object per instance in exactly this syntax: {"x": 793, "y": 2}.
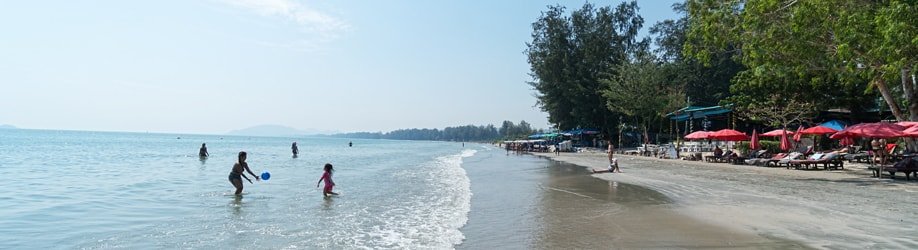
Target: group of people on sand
{"x": 241, "y": 167}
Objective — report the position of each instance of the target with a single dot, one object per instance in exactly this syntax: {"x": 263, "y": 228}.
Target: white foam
{"x": 431, "y": 221}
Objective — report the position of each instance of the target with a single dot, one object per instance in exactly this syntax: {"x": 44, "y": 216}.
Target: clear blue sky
{"x": 212, "y": 66}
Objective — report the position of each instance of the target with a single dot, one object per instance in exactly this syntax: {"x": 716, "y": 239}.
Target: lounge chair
{"x": 829, "y": 160}
{"x": 787, "y": 159}
{"x": 757, "y": 158}
{"x": 774, "y": 159}
{"x": 909, "y": 166}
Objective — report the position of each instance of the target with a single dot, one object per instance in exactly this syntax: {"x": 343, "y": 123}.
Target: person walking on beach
{"x": 329, "y": 183}
{"x": 203, "y": 151}
{"x": 295, "y": 150}
{"x": 236, "y": 175}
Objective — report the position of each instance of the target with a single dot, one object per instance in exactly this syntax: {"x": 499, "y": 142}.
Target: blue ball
{"x": 265, "y": 175}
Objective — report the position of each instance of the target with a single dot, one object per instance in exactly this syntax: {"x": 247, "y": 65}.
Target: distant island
{"x": 277, "y": 130}
{"x": 7, "y": 126}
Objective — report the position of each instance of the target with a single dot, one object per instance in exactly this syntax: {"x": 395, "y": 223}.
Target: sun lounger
{"x": 787, "y": 159}
{"x": 829, "y": 160}
{"x": 909, "y": 166}
{"x": 774, "y": 159}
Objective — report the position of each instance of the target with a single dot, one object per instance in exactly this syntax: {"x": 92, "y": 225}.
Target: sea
{"x": 110, "y": 190}
{"x": 104, "y": 190}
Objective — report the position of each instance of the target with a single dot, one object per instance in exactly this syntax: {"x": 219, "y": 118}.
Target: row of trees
{"x": 508, "y": 130}
{"x": 829, "y": 54}
{"x": 590, "y": 69}
{"x": 775, "y": 62}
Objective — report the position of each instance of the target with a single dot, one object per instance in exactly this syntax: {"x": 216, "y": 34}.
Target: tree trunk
{"x": 911, "y": 94}
{"x": 890, "y": 100}
{"x": 912, "y": 97}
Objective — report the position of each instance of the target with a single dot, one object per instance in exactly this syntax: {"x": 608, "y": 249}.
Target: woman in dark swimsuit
{"x": 235, "y": 177}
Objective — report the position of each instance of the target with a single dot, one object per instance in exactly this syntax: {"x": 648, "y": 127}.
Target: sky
{"x": 212, "y": 66}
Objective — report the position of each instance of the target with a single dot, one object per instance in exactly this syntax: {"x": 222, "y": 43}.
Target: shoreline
{"x": 822, "y": 209}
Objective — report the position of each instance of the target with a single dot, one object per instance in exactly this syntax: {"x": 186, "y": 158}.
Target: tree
{"x": 642, "y": 92}
{"x": 568, "y": 55}
{"x": 826, "y": 51}
{"x": 779, "y": 111}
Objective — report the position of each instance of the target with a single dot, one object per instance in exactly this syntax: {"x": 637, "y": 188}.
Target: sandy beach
{"x": 838, "y": 209}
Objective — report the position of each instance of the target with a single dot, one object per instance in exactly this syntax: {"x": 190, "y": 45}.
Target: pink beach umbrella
{"x": 728, "y": 135}
{"x": 785, "y": 142}
{"x": 798, "y": 134}
{"x": 697, "y": 135}
{"x": 754, "y": 143}
{"x": 907, "y": 124}
{"x": 818, "y": 130}
{"x": 776, "y": 133}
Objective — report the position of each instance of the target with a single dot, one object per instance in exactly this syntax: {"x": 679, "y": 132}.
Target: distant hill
{"x": 277, "y": 130}
{"x": 5, "y": 126}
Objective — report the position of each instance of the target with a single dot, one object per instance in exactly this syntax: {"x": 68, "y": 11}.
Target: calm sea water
{"x": 69, "y": 189}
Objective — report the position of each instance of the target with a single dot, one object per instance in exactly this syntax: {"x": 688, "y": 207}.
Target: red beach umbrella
{"x": 776, "y": 133}
{"x": 907, "y": 124}
{"x": 798, "y": 134}
{"x": 818, "y": 130}
{"x": 847, "y": 141}
{"x": 728, "y": 135}
{"x": 754, "y": 143}
{"x": 911, "y": 132}
{"x": 697, "y": 135}
{"x": 785, "y": 141}
{"x": 872, "y": 130}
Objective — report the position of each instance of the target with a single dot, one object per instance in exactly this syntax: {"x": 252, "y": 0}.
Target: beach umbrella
{"x": 754, "y": 142}
{"x": 847, "y": 141}
{"x": 776, "y": 133}
{"x": 871, "y": 130}
{"x": 818, "y": 130}
{"x": 911, "y": 132}
{"x": 907, "y": 124}
{"x": 697, "y": 135}
{"x": 728, "y": 135}
{"x": 798, "y": 134}
{"x": 785, "y": 141}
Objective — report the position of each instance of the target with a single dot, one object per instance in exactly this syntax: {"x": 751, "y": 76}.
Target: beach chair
{"x": 909, "y": 166}
{"x": 829, "y": 160}
{"x": 774, "y": 159}
{"x": 757, "y": 157}
{"x": 787, "y": 159}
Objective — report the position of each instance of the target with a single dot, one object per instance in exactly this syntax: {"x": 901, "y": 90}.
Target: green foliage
{"x": 824, "y": 52}
{"x": 569, "y": 54}
{"x": 642, "y": 91}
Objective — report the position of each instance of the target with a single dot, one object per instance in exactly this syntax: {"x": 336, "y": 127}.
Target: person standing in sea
{"x": 295, "y": 150}
{"x": 203, "y": 151}
{"x": 329, "y": 183}
{"x": 236, "y": 175}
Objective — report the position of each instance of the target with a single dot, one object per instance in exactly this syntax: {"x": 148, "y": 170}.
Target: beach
{"x": 839, "y": 209}
{"x": 522, "y": 201}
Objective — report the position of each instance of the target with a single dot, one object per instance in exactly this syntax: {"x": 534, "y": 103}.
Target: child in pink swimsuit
{"x": 329, "y": 183}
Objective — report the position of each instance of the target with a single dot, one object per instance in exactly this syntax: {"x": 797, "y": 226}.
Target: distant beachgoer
{"x": 329, "y": 183}
{"x": 350, "y": 144}
{"x": 718, "y": 152}
{"x": 236, "y": 175}
{"x": 295, "y": 150}
{"x": 463, "y": 144}
{"x": 203, "y": 151}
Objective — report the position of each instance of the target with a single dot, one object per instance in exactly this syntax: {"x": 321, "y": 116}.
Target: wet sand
{"x": 839, "y": 209}
{"x": 526, "y": 202}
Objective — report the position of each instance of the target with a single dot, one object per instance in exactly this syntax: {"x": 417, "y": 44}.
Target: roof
{"x": 693, "y": 112}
